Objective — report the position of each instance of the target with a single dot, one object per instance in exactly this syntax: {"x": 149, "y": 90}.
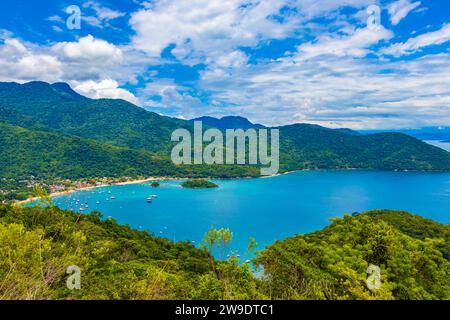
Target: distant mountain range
{"x": 228, "y": 122}
{"x": 49, "y": 130}
{"x": 425, "y": 133}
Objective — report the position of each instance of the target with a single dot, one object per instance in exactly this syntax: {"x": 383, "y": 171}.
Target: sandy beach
{"x": 66, "y": 192}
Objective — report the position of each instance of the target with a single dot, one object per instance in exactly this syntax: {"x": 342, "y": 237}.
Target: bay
{"x": 267, "y": 209}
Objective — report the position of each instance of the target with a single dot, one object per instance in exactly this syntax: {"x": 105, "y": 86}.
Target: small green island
{"x": 199, "y": 184}
{"x": 155, "y": 184}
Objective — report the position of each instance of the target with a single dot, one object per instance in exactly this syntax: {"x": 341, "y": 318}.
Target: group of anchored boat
{"x": 150, "y": 198}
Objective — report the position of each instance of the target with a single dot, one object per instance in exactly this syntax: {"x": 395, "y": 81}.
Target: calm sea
{"x": 267, "y": 209}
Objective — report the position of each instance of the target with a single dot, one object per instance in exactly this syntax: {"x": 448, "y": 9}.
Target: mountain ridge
{"x": 229, "y": 122}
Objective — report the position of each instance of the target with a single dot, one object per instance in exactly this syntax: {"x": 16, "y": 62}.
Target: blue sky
{"x": 335, "y": 63}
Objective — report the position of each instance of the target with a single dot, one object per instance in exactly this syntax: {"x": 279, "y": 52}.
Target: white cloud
{"x": 338, "y": 79}
{"x": 106, "y": 88}
{"x": 89, "y": 49}
{"x": 206, "y": 28}
{"x": 414, "y": 45}
{"x": 17, "y": 63}
{"x": 354, "y": 45}
{"x": 57, "y": 29}
{"x": 313, "y": 8}
{"x": 86, "y": 64}
{"x": 170, "y": 98}
{"x": 337, "y": 91}
{"x": 56, "y": 18}
{"x": 398, "y": 10}
{"x": 224, "y": 65}
{"x": 103, "y": 15}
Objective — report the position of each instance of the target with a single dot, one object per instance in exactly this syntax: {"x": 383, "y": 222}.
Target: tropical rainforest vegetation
{"x": 199, "y": 184}
{"x": 38, "y": 244}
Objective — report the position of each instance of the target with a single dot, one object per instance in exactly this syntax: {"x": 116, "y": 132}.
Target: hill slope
{"x": 120, "y": 263}
{"x": 112, "y": 121}
{"x": 31, "y": 156}
{"x": 51, "y": 155}
{"x": 411, "y": 252}
{"x": 310, "y": 146}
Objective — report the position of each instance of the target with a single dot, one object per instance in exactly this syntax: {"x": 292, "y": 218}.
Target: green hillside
{"x": 52, "y": 155}
{"x": 412, "y": 253}
{"x": 38, "y": 244}
{"x": 311, "y": 146}
{"x": 109, "y": 120}
{"x": 48, "y": 155}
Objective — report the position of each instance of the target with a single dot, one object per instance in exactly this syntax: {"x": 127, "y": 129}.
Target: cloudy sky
{"x": 362, "y": 64}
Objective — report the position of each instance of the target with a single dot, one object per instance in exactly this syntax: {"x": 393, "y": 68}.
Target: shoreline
{"x": 123, "y": 183}
{"x": 138, "y": 181}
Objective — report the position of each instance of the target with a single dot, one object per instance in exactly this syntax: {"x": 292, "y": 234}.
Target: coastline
{"x": 66, "y": 192}
{"x": 138, "y": 181}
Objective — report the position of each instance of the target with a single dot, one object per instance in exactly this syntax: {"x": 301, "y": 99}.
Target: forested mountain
{"x": 425, "y": 133}
{"x": 49, "y": 155}
{"x": 38, "y": 244}
{"x": 48, "y": 130}
{"x": 411, "y": 252}
{"x": 109, "y": 120}
{"x": 310, "y": 146}
{"x": 53, "y": 155}
{"x": 229, "y": 122}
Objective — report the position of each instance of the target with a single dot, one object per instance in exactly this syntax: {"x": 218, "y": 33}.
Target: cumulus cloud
{"x": 89, "y": 58}
{"x": 89, "y": 49}
{"x": 398, "y": 10}
{"x": 86, "y": 64}
{"x": 205, "y": 28}
{"x": 18, "y": 63}
{"x": 106, "y": 88}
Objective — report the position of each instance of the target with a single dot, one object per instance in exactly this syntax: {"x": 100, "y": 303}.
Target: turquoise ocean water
{"x": 267, "y": 208}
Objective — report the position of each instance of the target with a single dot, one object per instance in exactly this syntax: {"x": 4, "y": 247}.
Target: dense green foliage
{"x": 333, "y": 263}
{"x": 304, "y": 146}
{"x": 38, "y": 244}
{"x": 51, "y": 155}
{"x": 109, "y": 120}
{"x": 199, "y": 184}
